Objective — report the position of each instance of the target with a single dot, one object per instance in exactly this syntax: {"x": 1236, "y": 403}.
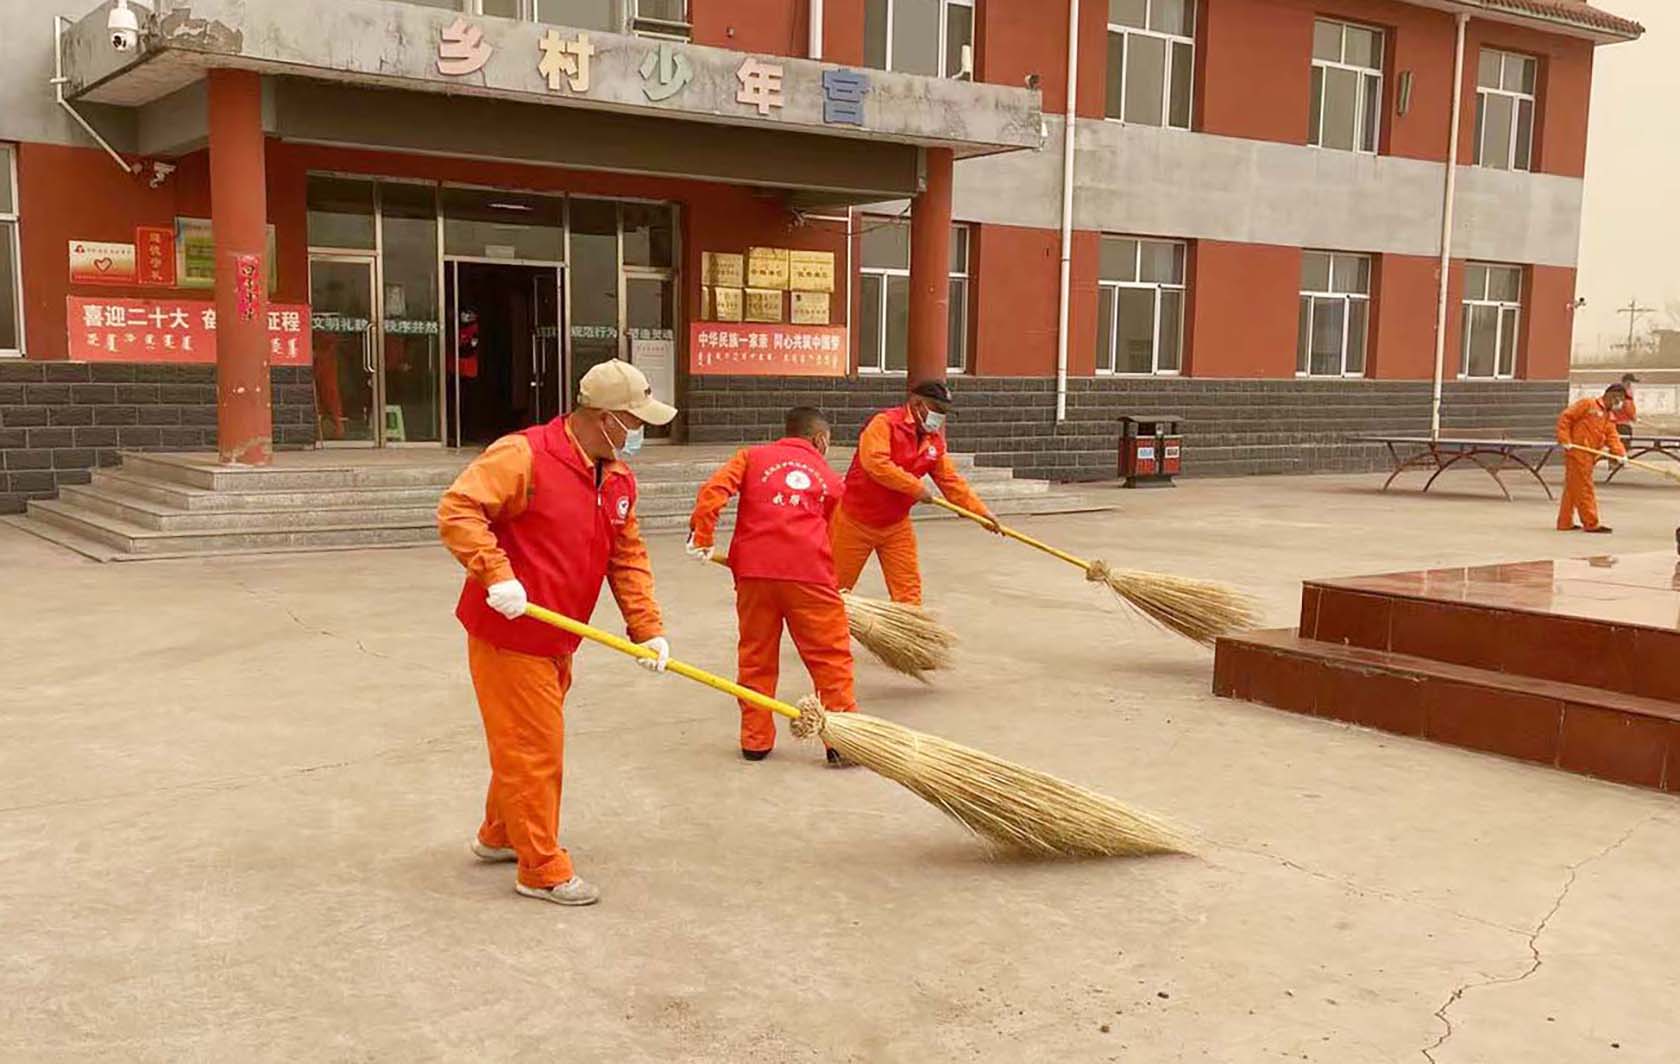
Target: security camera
{"x": 123, "y": 27}
{"x": 160, "y": 173}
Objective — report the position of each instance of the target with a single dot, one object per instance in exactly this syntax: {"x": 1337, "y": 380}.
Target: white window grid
{"x": 1367, "y": 105}
{"x": 956, "y": 361}
{"x": 652, "y": 20}
{"x": 1482, "y": 302}
{"x": 1108, "y": 360}
{"x": 1186, "y": 53}
{"x": 1514, "y": 80}
{"x": 1336, "y": 288}
{"x": 12, "y": 287}
{"x": 944, "y": 58}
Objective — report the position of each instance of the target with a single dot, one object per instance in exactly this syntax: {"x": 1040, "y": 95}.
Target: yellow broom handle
{"x": 681, "y": 668}
{"x": 1019, "y": 537}
{"x": 1649, "y": 467}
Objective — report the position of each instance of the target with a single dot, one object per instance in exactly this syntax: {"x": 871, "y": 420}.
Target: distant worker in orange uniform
{"x": 898, "y": 447}
{"x": 547, "y": 515}
{"x": 1588, "y": 422}
{"x": 1625, "y": 415}
{"x": 784, "y": 571}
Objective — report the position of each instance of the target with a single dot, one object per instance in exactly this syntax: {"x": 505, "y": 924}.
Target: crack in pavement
{"x": 329, "y": 634}
{"x": 1535, "y": 959}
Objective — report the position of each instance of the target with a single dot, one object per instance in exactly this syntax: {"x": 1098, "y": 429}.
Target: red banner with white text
{"x": 172, "y": 330}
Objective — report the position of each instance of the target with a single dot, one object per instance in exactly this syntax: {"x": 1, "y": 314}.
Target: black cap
{"x": 1628, "y": 378}
{"x": 1617, "y": 388}
{"x": 934, "y": 392}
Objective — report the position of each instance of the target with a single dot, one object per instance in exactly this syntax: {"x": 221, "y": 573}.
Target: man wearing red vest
{"x": 897, "y": 448}
{"x": 784, "y": 571}
{"x": 549, "y": 512}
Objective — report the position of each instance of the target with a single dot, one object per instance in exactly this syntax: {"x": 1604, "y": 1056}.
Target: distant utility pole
{"x": 1633, "y": 310}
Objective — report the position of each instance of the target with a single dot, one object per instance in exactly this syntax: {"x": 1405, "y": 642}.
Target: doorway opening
{"x": 504, "y": 361}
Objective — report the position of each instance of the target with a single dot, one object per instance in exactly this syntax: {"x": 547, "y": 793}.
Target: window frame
{"x": 957, "y": 280}
{"x": 1311, "y": 296}
{"x": 944, "y": 45}
{"x": 1182, "y": 287}
{"x": 1513, "y": 308}
{"x": 12, "y": 219}
{"x": 1517, "y": 98}
{"x": 1363, "y": 105}
{"x": 630, "y": 20}
{"x": 1126, "y": 33}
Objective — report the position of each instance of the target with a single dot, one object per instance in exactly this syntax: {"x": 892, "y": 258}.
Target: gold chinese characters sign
{"x": 810, "y": 308}
{"x": 811, "y": 271}
{"x": 722, "y": 268}
{"x": 764, "y": 305}
{"x": 767, "y": 268}
{"x": 726, "y": 303}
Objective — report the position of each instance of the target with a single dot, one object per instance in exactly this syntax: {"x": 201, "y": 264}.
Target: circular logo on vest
{"x": 624, "y": 507}
{"x": 933, "y": 452}
{"x": 798, "y": 479}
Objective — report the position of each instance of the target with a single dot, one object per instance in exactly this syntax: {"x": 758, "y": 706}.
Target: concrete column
{"x": 930, "y": 270}
{"x": 238, "y": 218}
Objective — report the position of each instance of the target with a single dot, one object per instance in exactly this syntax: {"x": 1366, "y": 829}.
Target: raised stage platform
{"x": 1574, "y": 664}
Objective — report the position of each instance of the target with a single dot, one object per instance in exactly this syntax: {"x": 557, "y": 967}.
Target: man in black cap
{"x": 898, "y": 447}
{"x": 1625, "y": 415}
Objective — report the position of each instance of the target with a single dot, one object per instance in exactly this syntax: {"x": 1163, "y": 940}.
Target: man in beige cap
{"x": 548, "y": 513}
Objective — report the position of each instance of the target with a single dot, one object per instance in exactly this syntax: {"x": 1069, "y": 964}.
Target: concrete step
{"x": 198, "y": 471}
{"x": 147, "y": 514}
{"x": 200, "y": 500}
{"x": 128, "y": 538}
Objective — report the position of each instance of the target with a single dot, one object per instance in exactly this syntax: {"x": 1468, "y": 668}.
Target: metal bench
{"x": 1489, "y": 454}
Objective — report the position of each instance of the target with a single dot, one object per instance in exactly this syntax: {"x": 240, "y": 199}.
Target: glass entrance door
{"x": 344, "y": 349}
{"x": 547, "y": 370}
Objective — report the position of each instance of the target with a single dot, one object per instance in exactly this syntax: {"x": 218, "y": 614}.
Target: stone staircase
{"x": 160, "y": 505}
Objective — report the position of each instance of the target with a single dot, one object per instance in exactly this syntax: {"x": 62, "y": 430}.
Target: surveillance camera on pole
{"x": 123, "y": 25}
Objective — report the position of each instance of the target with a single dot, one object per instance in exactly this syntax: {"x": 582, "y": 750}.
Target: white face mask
{"x": 933, "y": 421}
{"x": 633, "y": 439}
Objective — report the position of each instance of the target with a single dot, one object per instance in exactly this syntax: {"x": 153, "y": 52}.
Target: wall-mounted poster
{"x": 195, "y": 255}
{"x": 768, "y": 350}
{"x": 810, "y": 308}
{"x": 811, "y": 271}
{"x": 764, "y": 305}
{"x": 727, "y": 303}
{"x": 723, "y": 268}
{"x": 767, "y": 268}
{"x": 101, "y": 262}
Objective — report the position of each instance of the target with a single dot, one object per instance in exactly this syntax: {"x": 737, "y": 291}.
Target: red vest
{"x": 781, "y": 519}
{"x": 558, "y": 547}
{"x": 873, "y": 503}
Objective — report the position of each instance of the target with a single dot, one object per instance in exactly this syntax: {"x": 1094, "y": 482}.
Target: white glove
{"x": 659, "y": 646}
{"x": 507, "y": 597}
{"x": 699, "y": 554}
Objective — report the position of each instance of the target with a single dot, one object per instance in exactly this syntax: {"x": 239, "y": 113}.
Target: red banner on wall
{"x": 154, "y": 246}
{"x": 172, "y": 330}
{"x": 750, "y": 350}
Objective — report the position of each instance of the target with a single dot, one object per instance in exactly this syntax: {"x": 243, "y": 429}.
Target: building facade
{"x": 384, "y": 223}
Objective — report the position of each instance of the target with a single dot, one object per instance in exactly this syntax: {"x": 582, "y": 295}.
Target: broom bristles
{"x": 1016, "y": 809}
{"x": 902, "y": 637}
{"x": 1200, "y": 610}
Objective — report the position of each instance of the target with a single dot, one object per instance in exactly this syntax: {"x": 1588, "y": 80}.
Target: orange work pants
{"x": 853, "y": 542}
{"x": 1578, "y": 492}
{"x": 816, "y": 617}
{"x": 522, "y": 700}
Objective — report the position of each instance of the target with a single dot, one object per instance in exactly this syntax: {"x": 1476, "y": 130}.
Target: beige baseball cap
{"x": 617, "y": 385}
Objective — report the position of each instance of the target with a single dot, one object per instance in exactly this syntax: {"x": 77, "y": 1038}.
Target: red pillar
{"x": 238, "y": 219}
{"x": 930, "y": 270}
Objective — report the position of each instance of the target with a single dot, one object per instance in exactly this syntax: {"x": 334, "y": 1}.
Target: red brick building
{"x": 418, "y": 223}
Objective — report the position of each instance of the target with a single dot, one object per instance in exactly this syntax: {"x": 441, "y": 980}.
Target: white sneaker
{"x": 575, "y": 891}
{"x": 493, "y": 854}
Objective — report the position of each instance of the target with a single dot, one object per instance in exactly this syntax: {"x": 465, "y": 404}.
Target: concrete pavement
{"x": 235, "y": 799}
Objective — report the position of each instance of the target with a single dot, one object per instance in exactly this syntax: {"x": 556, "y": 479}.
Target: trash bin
{"x": 1151, "y": 449}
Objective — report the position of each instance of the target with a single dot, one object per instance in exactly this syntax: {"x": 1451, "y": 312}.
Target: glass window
{"x": 1151, "y": 56}
{"x": 647, "y": 235}
{"x": 1346, "y": 93}
{"x": 409, "y": 269}
{"x": 1505, "y": 106}
{"x": 928, "y": 37}
{"x": 11, "y": 276}
{"x": 1140, "y": 304}
{"x": 340, "y": 213}
{"x": 500, "y": 8}
{"x": 884, "y": 317}
{"x": 1335, "y": 312}
{"x": 493, "y": 224}
{"x": 1491, "y": 316}
{"x": 580, "y": 14}
{"x": 594, "y": 284}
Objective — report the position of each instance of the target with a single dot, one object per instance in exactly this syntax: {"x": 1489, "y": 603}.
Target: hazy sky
{"x": 1630, "y": 222}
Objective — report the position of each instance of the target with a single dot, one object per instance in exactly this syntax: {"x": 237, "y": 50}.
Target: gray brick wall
{"x": 59, "y": 421}
{"x": 1231, "y": 427}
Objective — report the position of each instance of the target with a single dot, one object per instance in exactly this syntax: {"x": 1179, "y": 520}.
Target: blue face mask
{"x": 633, "y": 439}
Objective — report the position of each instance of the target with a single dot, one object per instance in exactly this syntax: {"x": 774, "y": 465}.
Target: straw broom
{"x": 1649, "y": 467}
{"x": 1015, "y": 809}
{"x": 902, "y": 637}
{"x": 1199, "y": 610}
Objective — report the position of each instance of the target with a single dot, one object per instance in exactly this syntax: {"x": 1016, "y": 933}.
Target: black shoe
{"x": 836, "y": 761}
{"x": 754, "y": 755}
{"x": 1606, "y": 529}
